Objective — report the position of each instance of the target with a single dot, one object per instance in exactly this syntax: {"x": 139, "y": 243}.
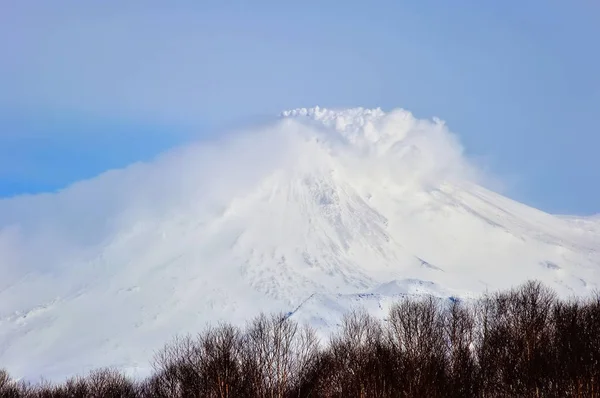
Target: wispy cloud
{"x": 40, "y": 230}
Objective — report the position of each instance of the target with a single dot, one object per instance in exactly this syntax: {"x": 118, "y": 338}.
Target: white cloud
{"x": 398, "y": 145}
{"x": 41, "y": 229}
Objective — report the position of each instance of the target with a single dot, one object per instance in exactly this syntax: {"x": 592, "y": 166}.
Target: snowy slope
{"x": 319, "y": 212}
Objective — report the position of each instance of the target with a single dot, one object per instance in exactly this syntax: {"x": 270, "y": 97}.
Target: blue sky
{"x": 90, "y": 86}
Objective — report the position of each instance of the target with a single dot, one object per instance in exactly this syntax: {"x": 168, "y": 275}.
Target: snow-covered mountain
{"x": 318, "y": 212}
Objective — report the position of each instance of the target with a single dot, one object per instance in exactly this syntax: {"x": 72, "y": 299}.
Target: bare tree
{"x": 459, "y": 335}
{"x": 415, "y": 333}
{"x": 8, "y": 387}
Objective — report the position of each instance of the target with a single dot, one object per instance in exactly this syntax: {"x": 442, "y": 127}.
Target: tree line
{"x": 524, "y": 342}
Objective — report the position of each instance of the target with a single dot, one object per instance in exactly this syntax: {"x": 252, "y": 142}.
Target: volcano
{"x": 316, "y": 213}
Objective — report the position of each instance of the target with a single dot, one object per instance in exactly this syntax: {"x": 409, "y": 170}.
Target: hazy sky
{"x": 89, "y": 86}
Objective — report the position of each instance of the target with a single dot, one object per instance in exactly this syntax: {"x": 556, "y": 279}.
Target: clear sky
{"x": 89, "y": 86}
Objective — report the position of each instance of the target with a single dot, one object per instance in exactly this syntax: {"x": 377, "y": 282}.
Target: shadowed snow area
{"x": 319, "y": 212}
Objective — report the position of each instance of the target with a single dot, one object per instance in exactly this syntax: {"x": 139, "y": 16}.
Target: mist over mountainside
{"x": 318, "y": 212}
